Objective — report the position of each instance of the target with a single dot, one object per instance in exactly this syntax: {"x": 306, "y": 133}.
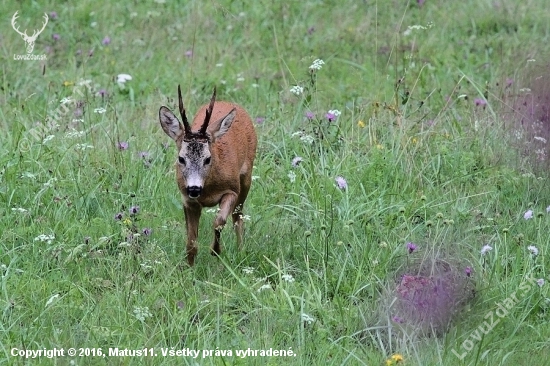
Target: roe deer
{"x": 214, "y": 165}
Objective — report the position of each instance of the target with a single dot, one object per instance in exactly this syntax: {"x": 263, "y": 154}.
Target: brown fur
{"x": 229, "y": 177}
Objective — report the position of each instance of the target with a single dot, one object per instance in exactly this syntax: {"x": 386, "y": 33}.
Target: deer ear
{"x": 170, "y": 123}
{"x": 221, "y": 126}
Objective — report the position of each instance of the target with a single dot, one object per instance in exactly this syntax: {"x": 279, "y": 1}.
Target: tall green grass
{"x": 422, "y": 164}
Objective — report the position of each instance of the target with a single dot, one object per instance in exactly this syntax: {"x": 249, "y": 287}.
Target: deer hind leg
{"x": 227, "y": 206}
{"x": 238, "y": 212}
{"x": 192, "y": 217}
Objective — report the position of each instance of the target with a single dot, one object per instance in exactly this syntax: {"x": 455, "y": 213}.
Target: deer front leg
{"x": 192, "y": 217}
{"x": 227, "y": 205}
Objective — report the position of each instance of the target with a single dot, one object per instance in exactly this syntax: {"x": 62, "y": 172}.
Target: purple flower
{"x": 540, "y": 282}
{"x": 330, "y": 116}
{"x": 468, "y": 271}
{"x": 528, "y": 215}
{"x": 53, "y": 15}
{"x": 411, "y": 247}
{"x": 147, "y": 231}
{"x": 134, "y": 210}
{"x": 56, "y": 37}
{"x": 122, "y": 145}
{"x": 260, "y": 120}
{"x": 310, "y": 115}
{"x": 296, "y": 161}
{"x": 420, "y": 2}
{"x": 78, "y": 112}
{"x": 143, "y": 154}
{"x": 341, "y": 183}
{"x": 189, "y": 53}
{"x": 118, "y": 216}
{"x": 102, "y": 92}
{"x": 397, "y": 319}
{"x": 480, "y": 102}
{"x": 106, "y": 41}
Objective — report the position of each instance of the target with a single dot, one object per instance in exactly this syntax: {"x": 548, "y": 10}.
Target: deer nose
{"x": 194, "y": 191}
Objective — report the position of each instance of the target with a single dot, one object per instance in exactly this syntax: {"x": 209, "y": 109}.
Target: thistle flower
{"x": 134, "y": 210}
{"x": 310, "y": 115}
{"x": 296, "y": 161}
{"x": 533, "y": 249}
{"x": 411, "y": 247}
{"x": 468, "y": 271}
{"x": 540, "y": 282}
{"x": 122, "y": 145}
{"x": 147, "y": 231}
{"x": 341, "y": 183}
{"x": 119, "y": 216}
{"x": 480, "y": 102}
{"x": 106, "y": 41}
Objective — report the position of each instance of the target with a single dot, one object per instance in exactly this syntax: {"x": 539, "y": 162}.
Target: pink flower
{"x": 56, "y": 37}
{"x": 189, "y": 53}
{"x": 310, "y": 115}
{"x": 106, "y": 41}
{"x": 53, "y": 15}
{"x": 480, "y": 102}
{"x": 341, "y": 183}
{"x": 122, "y": 145}
{"x": 330, "y": 116}
{"x": 528, "y": 215}
{"x": 411, "y": 247}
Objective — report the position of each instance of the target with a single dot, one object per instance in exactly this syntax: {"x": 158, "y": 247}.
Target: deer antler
{"x": 13, "y": 19}
{"x": 182, "y": 113}
{"x": 208, "y": 113}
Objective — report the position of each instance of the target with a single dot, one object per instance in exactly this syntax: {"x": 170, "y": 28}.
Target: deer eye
{"x": 181, "y": 160}
{"x": 207, "y": 161}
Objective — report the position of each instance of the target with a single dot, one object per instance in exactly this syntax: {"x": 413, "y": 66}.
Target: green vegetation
{"x": 422, "y": 152}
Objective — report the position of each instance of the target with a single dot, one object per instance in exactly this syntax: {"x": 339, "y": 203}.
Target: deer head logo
{"x": 28, "y": 39}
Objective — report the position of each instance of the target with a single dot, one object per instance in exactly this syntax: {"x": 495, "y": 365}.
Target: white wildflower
{"x": 308, "y": 139}
{"x": 244, "y": 217}
{"x": 287, "y": 278}
{"x": 47, "y": 138}
{"x": 100, "y": 110}
{"x": 264, "y": 287}
{"x": 292, "y": 176}
{"x": 219, "y": 65}
{"x": 317, "y": 64}
{"x": 297, "y": 90}
{"x": 240, "y": 78}
{"x": 254, "y": 177}
{"x": 83, "y": 146}
{"x": 122, "y": 78}
{"x": 28, "y": 175}
{"x": 486, "y": 248}
{"x": 19, "y": 209}
{"x": 307, "y": 318}
{"x": 254, "y": 85}
{"x": 45, "y": 238}
{"x": 142, "y": 313}
{"x": 50, "y": 182}
{"x": 74, "y": 134}
{"x": 248, "y": 270}
{"x": 541, "y": 139}
{"x": 335, "y": 112}
{"x": 66, "y": 100}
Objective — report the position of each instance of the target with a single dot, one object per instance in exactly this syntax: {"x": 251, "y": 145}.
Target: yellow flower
{"x": 68, "y": 83}
{"x": 127, "y": 221}
{"x": 389, "y": 362}
{"x": 414, "y": 140}
{"x": 361, "y": 124}
{"x": 379, "y": 147}
{"x": 397, "y": 358}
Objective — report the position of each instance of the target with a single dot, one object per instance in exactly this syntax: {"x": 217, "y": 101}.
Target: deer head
{"x": 195, "y": 155}
{"x": 29, "y": 39}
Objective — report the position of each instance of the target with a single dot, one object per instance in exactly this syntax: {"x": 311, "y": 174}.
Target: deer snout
{"x": 194, "y": 191}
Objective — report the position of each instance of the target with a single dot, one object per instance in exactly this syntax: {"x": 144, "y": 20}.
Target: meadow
{"x": 396, "y": 139}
